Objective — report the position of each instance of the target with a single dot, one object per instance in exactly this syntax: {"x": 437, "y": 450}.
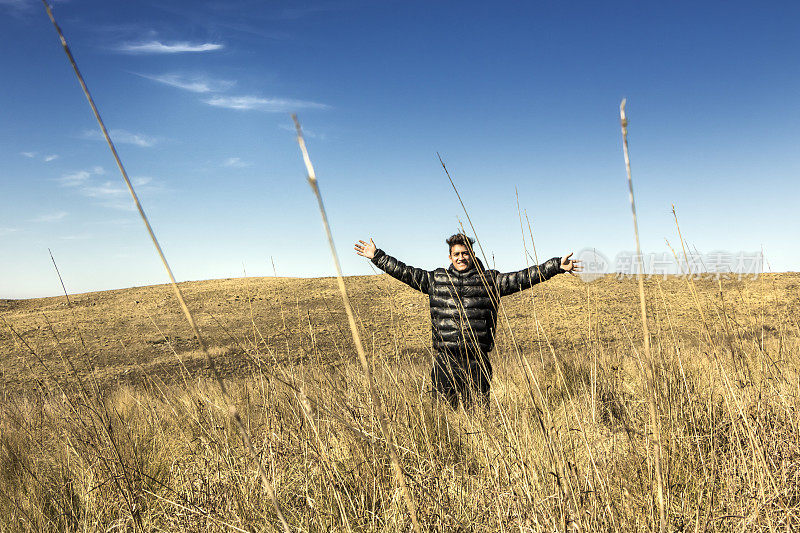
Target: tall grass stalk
{"x": 376, "y": 399}
{"x": 689, "y": 274}
{"x": 652, "y": 374}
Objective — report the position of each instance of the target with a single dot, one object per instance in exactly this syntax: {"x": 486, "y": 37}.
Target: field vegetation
{"x": 109, "y": 418}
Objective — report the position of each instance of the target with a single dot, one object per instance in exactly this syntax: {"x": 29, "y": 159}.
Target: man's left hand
{"x": 570, "y": 265}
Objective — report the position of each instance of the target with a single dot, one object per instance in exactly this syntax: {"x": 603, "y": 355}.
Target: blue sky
{"x": 518, "y": 95}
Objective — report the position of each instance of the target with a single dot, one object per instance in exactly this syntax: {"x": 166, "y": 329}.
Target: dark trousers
{"x": 462, "y": 377}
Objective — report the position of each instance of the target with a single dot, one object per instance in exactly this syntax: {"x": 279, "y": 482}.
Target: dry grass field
{"x": 109, "y": 419}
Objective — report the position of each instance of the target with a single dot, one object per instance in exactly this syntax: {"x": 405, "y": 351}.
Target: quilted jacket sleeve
{"x": 512, "y": 282}
{"x": 416, "y": 278}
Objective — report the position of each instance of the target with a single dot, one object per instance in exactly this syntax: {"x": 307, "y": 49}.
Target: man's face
{"x": 460, "y": 257}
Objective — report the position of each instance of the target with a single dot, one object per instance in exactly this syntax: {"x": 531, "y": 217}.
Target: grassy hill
{"x": 109, "y": 418}
{"x": 130, "y": 331}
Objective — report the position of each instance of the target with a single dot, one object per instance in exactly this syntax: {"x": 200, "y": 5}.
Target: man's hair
{"x": 460, "y": 238}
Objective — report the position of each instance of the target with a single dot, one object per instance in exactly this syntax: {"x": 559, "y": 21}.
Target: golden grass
{"x": 170, "y": 455}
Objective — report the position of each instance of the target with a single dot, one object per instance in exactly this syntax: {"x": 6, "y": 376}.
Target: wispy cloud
{"x": 78, "y": 237}
{"x": 80, "y": 177}
{"x": 106, "y": 189}
{"x": 115, "y": 195}
{"x": 158, "y": 47}
{"x": 51, "y": 217}
{"x": 235, "y": 162}
{"x": 7, "y": 231}
{"x": 257, "y": 103}
{"x": 113, "y": 189}
{"x": 123, "y": 137}
{"x": 46, "y": 158}
{"x": 193, "y": 83}
{"x": 74, "y": 179}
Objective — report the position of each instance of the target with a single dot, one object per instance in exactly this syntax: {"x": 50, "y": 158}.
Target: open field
{"x": 109, "y": 419}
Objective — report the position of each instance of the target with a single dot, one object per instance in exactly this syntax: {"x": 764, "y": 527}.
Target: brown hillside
{"x": 129, "y": 332}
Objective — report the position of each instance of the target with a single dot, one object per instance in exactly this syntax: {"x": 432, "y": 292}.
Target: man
{"x": 464, "y": 301}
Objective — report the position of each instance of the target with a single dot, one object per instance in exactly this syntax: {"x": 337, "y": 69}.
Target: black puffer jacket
{"x": 464, "y": 304}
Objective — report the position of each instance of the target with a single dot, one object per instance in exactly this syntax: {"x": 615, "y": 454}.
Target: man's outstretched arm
{"x": 416, "y": 278}
{"x": 512, "y": 282}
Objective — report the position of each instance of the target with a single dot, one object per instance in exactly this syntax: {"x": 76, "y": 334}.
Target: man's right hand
{"x": 366, "y": 249}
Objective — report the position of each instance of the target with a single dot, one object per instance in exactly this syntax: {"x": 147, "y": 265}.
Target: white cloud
{"x": 80, "y": 237}
{"x": 112, "y": 194}
{"x": 74, "y": 179}
{"x": 257, "y": 103}
{"x": 177, "y": 47}
{"x": 123, "y": 137}
{"x": 235, "y": 162}
{"x": 107, "y": 189}
{"x": 138, "y": 139}
{"x": 46, "y": 158}
{"x": 51, "y": 217}
{"x": 195, "y": 84}
{"x": 7, "y": 231}
{"x": 115, "y": 194}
